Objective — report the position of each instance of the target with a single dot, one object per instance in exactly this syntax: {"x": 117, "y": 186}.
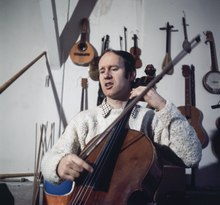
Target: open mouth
{"x": 108, "y": 85}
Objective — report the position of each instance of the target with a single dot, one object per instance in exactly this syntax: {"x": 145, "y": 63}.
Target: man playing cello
{"x": 163, "y": 124}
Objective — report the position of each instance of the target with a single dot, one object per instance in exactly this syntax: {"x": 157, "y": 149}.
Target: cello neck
{"x": 135, "y": 100}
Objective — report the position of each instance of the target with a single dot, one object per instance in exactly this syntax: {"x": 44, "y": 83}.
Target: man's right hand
{"x": 71, "y": 166}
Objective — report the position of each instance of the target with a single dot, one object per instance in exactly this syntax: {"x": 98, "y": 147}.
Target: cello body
{"x": 136, "y": 171}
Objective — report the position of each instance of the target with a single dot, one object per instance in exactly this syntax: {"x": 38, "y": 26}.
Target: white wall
{"x": 23, "y": 37}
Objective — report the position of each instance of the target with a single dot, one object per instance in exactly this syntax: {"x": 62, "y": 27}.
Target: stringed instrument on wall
{"x": 120, "y": 42}
{"x": 167, "y": 59}
{"x": 190, "y": 111}
{"x": 136, "y": 52}
{"x": 186, "y": 44}
{"x": 82, "y": 52}
{"x": 84, "y": 95}
{"x": 211, "y": 81}
{"x": 193, "y": 87}
{"x": 125, "y": 37}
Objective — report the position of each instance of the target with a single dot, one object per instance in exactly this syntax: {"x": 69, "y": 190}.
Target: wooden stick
{"x": 3, "y": 176}
{"x": 37, "y": 172}
{"x": 17, "y": 75}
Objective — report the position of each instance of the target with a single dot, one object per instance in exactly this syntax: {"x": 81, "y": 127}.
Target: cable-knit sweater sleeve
{"x": 68, "y": 142}
{"x": 81, "y": 129}
{"x": 172, "y": 129}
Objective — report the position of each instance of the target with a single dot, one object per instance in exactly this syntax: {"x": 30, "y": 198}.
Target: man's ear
{"x": 133, "y": 75}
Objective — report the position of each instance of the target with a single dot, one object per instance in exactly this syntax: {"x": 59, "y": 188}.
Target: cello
{"x": 118, "y": 156}
{"x": 113, "y": 158}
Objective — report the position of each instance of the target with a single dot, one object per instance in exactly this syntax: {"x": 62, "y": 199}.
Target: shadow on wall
{"x": 71, "y": 31}
{"x": 6, "y": 196}
{"x": 56, "y": 97}
{"x": 209, "y": 176}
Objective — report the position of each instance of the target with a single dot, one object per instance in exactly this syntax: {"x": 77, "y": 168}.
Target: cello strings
{"x": 84, "y": 155}
{"x": 90, "y": 179}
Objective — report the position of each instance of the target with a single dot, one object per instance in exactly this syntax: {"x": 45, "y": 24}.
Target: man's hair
{"x": 129, "y": 60}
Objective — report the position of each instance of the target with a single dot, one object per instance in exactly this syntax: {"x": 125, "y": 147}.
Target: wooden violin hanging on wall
{"x": 211, "y": 81}
{"x": 136, "y": 52}
{"x": 167, "y": 59}
{"x": 192, "y": 113}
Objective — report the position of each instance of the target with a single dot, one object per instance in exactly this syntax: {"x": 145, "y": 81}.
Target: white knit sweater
{"x": 166, "y": 127}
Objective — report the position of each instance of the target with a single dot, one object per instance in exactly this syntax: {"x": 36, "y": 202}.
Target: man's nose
{"x": 107, "y": 74}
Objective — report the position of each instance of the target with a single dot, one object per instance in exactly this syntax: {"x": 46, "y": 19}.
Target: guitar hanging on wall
{"x": 190, "y": 111}
{"x": 211, "y": 81}
{"x": 82, "y": 52}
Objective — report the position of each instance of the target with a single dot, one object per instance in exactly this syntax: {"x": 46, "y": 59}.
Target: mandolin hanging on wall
{"x": 82, "y": 52}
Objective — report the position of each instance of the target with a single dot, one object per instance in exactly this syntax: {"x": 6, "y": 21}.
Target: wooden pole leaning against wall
{"x": 15, "y": 175}
{"x": 37, "y": 176}
{"x": 18, "y": 74}
{"x": 43, "y": 145}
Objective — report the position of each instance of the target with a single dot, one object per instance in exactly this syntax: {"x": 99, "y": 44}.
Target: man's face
{"x": 112, "y": 77}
